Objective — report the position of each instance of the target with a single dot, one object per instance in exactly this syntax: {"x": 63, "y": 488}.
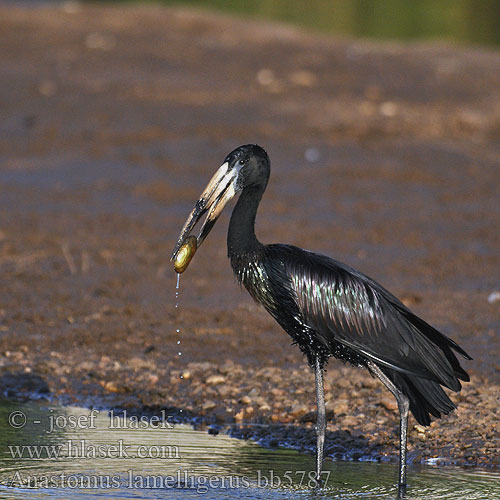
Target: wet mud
{"x": 384, "y": 156}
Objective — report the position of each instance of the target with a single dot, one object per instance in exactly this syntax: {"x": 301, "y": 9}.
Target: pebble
{"x": 389, "y": 403}
{"x": 215, "y": 379}
{"x": 208, "y": 405}
{"x": 303, "y": 78}
{"x": 388, "y": 109}
{"x": 265, "y": 76}
{"x": 110, "y": 386}
{"x": 340, "y": 408}
{"x": 224, "y": 390}
{"x": 138, "y": 363}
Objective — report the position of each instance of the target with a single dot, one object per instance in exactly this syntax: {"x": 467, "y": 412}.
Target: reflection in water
{"x": 57, "y": 452}
{"x": 473, "y": 21}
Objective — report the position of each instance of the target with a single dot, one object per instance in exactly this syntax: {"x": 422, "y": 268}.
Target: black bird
{"x": 328, "y": 308}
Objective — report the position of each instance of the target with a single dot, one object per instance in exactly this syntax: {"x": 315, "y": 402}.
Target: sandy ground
{"x": 385, "y": 156}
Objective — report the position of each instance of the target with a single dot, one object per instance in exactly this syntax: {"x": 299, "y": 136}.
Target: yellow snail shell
{"x": 185, "y": 254}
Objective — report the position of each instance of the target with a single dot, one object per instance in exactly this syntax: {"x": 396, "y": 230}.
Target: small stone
{"x": 215, "y": 379}
{"x": 303, "y": 78}
{"x": 298, "y": 410}
{"x": 340, "y": 408}
{"x": 224, "y": 390}
{"x": 388, "y": 109}
{"x": 389, "y": 403}
{"x": 110, "y": 386}
{"x": 265, "y": 76}
{"x": 208, "y": 405}
{"x": 277, "y": 392}
{"x": 138, "y": 363}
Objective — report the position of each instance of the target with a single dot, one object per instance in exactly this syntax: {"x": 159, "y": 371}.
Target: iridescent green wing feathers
{"x": 343, "y": 305}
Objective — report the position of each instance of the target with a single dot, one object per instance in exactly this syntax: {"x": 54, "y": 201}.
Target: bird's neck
{"x": 241, "y": 237}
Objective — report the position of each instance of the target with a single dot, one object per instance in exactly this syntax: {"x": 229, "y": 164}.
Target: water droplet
{"x": 178, "y": 330}
{"x": 177, "y": 287}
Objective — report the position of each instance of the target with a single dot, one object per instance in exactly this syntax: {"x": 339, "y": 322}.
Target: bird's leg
{"x": 403, "y": 406}
{"x": 321, "y": 420}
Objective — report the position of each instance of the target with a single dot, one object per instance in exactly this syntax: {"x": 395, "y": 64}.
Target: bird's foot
{"x": 401, "y": 491}
{"x": 320, "y": 482}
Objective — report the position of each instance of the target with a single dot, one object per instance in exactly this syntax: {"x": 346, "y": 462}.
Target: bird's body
{"x": 328, "y": 308}
{"x": 332, "y": 310}
{"x": 271, "y": 277}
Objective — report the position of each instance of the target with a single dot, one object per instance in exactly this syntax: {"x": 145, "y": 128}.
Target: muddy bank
{"x": 385, "y": 156}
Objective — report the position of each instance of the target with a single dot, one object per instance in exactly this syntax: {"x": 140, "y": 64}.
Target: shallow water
{"x": 99, "y": 454}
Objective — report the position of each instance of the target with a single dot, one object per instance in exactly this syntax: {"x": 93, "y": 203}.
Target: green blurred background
{"x": 465, "y": 21}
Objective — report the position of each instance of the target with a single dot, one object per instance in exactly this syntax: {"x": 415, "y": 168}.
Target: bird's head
{"x": 246, "y": 167}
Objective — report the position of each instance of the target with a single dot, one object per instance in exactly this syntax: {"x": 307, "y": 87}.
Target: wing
{"x": 343, "y": 305}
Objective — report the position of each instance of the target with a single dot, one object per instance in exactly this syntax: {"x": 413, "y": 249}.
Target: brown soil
{"x": 385, "y": 156}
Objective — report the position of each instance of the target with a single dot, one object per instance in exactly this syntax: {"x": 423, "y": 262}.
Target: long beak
{"x": 219, "y": 191}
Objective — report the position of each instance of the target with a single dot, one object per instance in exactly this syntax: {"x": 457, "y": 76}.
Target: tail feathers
{"x": 445, "y": 343}
{"x": 426, "y": 397}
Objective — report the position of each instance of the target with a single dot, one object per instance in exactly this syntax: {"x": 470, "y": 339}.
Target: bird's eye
{"x": 241, "y": 162}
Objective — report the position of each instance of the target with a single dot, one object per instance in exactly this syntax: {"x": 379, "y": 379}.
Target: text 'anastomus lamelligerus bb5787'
{"x": 328, "y": 308}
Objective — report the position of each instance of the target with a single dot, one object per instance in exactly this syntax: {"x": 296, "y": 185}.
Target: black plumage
{"x": 328, "y": 308}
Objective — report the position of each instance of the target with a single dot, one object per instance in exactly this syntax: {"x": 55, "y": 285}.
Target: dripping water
{"x": 177, "y": 287}
{"x": 178, "y": 330}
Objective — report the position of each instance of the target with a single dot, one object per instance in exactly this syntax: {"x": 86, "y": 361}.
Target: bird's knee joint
{"x": 404, "y": 404}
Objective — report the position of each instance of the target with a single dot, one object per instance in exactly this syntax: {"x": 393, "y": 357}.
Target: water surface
{"x": 49, "y": 451}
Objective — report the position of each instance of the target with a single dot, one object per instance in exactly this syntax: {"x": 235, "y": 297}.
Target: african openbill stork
{"x": 328, "y": 308}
